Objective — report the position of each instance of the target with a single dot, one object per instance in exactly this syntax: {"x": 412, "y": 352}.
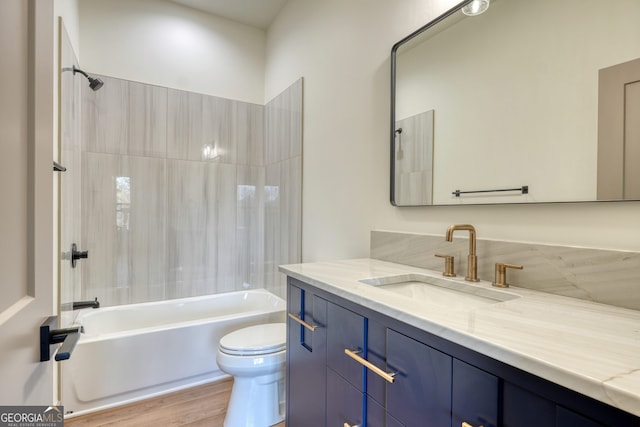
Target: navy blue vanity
{"x": 429, "y": 381}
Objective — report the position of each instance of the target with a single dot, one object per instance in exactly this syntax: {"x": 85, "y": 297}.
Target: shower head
{"x": 94, "y": 82}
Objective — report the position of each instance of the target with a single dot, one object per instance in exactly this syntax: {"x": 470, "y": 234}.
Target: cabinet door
{"x": 344, "y": 402}
{"x": 345, "y": 330}
{"x": 378, "y": 417}
{"x": 306, "y": 360}
{"x": 475, "y": 396}
{"x": 567, "y": 418}
{"x": 525, "y": 409}
{"x": 421, "y": 392}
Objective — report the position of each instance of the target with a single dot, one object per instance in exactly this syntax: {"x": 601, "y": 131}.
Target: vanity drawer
{"x": 567, "y": 418}
{"x": 344, "y": 402}
{"x": 421, "y": 391}
{"x": 378, "y": 417}
{"x": 522, "y": 408}
{"x": 345, "y": 331}
{"x": 475, "y": 396}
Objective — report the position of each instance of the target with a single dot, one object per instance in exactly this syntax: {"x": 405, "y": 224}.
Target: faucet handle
{"x": 449, "y": 270}
{"x": 501, "y": 274}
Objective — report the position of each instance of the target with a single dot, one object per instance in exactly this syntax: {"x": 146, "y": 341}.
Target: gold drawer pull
{"x": 466, "y": 424}
{"x": 349, "y": 425}
{"x": 302, "y": 322}
{"x": 388, "y": 376}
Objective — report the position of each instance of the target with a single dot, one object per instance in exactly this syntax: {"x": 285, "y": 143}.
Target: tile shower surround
{"x": 186, "y": 194}
{"x": 414, "y": 160}
{"x": 603, "y": 276}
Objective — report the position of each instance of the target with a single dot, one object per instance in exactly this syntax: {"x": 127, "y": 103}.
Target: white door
{"x": 632, "y": 139}
{"x": 26, "y": 197}
{"x": 619, "y": 132}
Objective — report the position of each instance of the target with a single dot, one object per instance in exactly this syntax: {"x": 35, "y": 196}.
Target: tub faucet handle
{"x": 49, "y": 336}
{"x": 76, "y": 255}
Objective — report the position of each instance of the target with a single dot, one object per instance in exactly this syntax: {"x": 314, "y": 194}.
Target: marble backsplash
{"x": 603, "y": 276}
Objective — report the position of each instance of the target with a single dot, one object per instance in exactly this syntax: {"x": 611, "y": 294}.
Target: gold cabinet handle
{"x": 466, "y": 424}
{"x": 349, "y": 425}
{"x": 302, "y": 322}
{"x": 388, "y": 376}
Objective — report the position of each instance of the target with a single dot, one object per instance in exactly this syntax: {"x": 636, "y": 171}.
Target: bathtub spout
{"x": 77, "y": 305}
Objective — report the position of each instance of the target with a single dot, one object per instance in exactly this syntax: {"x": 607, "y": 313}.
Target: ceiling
{"x": 256, "y": 13}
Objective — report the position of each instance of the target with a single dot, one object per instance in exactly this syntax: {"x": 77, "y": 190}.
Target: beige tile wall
{"x": 184, "y": 194}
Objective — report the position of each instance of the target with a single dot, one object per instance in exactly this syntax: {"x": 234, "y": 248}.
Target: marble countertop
{"x": 587, "y": 347}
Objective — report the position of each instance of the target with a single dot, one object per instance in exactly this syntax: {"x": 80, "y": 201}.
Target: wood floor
{"x": 205, "y": 405}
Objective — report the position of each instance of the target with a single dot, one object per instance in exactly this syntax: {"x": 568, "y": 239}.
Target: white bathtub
{"x": 137, "y": 351}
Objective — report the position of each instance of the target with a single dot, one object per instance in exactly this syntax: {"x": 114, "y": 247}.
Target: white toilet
{"x": 255, "y": 356}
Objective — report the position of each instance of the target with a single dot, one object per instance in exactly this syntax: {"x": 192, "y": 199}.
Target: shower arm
{"x": 78, "y": 70}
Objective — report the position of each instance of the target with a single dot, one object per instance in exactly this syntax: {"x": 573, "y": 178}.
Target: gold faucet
{"x": 500, "y": 280}
{"x": 449, "y": 269}
{"x": 472, "y": 259}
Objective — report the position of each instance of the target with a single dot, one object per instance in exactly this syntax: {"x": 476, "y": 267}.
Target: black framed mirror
{"x": 532, "y": 101}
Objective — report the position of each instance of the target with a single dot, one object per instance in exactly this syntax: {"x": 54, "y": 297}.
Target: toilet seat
{"x": 255, "y": 340}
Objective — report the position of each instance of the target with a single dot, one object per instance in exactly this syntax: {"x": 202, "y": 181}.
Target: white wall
{"x": 342, "y": 49}
{"x": 166, "y": 44}
{"x": 68, "y": 10}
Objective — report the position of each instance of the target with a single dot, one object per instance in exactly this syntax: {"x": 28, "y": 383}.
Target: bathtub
{"x": 133, "y": 352}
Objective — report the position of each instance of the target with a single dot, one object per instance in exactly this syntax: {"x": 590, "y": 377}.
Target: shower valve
{"x": 76, "y": 255}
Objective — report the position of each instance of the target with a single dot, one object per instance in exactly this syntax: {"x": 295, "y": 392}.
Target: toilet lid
{"x": 259, "y": 339}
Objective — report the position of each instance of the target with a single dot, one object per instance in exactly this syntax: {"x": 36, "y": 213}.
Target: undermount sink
{"x": 442, "y": 292}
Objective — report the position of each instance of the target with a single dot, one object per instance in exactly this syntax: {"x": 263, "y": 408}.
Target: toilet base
{"x": 256, "y": 357}
{"x": 256, "y": 402}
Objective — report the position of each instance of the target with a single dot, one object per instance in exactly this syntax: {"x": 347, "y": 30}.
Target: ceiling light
{"x": 476, "y": 7}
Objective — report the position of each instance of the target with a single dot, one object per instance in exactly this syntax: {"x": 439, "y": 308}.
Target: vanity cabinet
{"x": 348, "y": 401}
{"x": 567, "y": 418}
{"x": 378, "y": 417}
{"x": 434, "y": 382}
{"x": 475, "y": 396}
{"x": 345, "y": 330}
{"x": 306, "y": 358}
{"x": 421, "y": 391}
{"x": 344, "y": 402}
{"x": 525, "y": 409}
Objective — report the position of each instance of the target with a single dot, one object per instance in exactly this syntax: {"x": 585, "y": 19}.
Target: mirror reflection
{"x": 539, "y": 99}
